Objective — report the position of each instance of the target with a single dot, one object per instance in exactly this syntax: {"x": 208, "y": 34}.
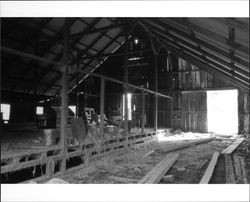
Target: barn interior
{"x": 125, "y": 100}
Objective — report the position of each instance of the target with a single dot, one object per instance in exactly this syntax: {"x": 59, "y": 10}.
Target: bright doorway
{"x": 222, "y": 111}
{"x": 129, "y": 96}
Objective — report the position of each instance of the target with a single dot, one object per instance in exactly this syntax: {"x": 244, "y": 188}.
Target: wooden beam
{"x": 123, "y": 83}
{"x": 205, "y": 53}
{"x": 143, "y": 112}
{"x": 57, "y": 37}
{"x": 64, "y": 96}
{"x": 115, "y": 54}
{"x": 102, "y": 104}
{"x": 156, "y": 90}
{"x": 230, "y": 177}
{"x": 234, "y": 22}
{"x": 244, "y": 170}
{"x": 98, "y": 30}
{"x": 28, "y": 55}
{"x": 209, "y": 172}
{"x": 237, "y": 169}
{"x": 233, "y": 146}
{"x": 101, "y": 51}
{"x": 30, "y": 81}
{"x": 199, "y": 41}
{"x": 19, "y": 53}
{"x": 206, "y": 89}
{"x": 187, "y": 144}
{"x": 125, "y": 74}
{"x": 231, "y": 39}
{"x": 204, "y": 65}
{"x": 72, "y": 46}
{"x": 155, "y": 175}
{"x": 209, "y": 56}
{"x": 77, "y": 89}
{"x": 208, "y": 33}
{"x": 1, "y": 72}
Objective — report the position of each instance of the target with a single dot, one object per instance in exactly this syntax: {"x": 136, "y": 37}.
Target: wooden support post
{"x": 64, "y": 96}
{"x": 170, "y": 66}
{"x": 77, "y": 87}
{"x": 172, "y": 112}
{"x": 156, "y": 90}
{"x": 143, "y": 113}
{"x": 0, "y": 77}
{"x": 126, "y": 85}
{"x": 102, "y": 104}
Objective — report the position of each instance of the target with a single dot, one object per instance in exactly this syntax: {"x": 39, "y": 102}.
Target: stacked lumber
{"x": 209, "y": 172}
{"x": 235, "y": 171}
{"x": 230, "y": 178}
{"x": 244, "y": 172}
{"x": 240, "y": 170}
{"x": 233, "y": 146}
{"x": 155, "y": 175}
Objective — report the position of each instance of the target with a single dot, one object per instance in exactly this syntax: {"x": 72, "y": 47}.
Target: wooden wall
{"x": 194, "y": 111}
{"x": 189, "y": 85}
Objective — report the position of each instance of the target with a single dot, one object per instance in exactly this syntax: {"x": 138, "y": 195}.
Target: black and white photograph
{"x": 125, "y": 100}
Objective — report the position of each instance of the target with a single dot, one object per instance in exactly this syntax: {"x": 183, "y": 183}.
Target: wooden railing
{"x": 88, "y": 151}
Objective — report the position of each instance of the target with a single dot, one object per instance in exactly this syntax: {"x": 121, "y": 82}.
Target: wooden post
{"x": 156, "y": 90}
{"x": 126, "y": 85}
{"x": 64, "y": 96}
{"x": 143, "y": 112}
{"x": 0, "y": 78}
{"x": 77, "y": 87}
{"x": 170, "y": 88}
{"x": 172, "y": 112}
{"x": 102, "y": 103}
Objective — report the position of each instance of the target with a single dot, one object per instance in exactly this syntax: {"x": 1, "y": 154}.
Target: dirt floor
{"x": 131, "y": 166}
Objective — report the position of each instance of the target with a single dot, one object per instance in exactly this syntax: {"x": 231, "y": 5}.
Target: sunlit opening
{"x": 222, "y": 111}
{"x": 73, "y": 109}
{"x": 136, "y": 41}
{"x": 5, "y": 109}
{"x": 129, "y": 96}
{"x": 39, "y": 110}
{"x": 135, "y": 58}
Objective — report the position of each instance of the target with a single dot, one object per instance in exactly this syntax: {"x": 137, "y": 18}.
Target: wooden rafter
{"x": 204, "y": 53}
{"x": 42, "y": 53}
{"x": 72, "y": 45}
{"x": 100, "y": 52}
{"x": 206, "y": 32}
{"x": 197, "y": 54}
{"x": 202, "y": 64}
{"x": 203, "y": 43}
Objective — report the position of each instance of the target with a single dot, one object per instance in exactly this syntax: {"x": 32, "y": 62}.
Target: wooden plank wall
{"x": 164, "y": 113}
{"x": 189, "y": 108}
{"x": 244, "y": 113}
{"x": 194, "y": 111}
